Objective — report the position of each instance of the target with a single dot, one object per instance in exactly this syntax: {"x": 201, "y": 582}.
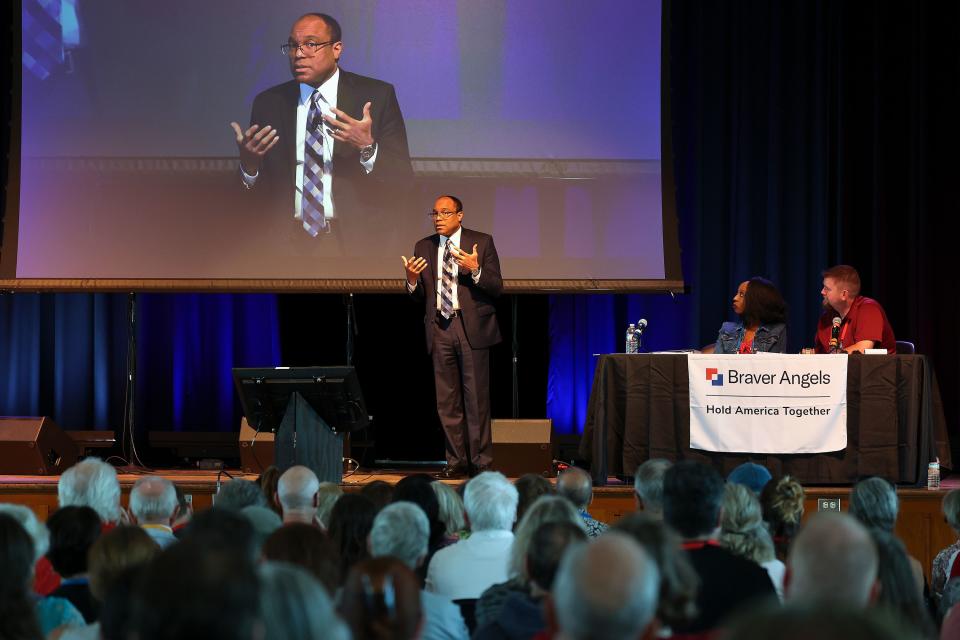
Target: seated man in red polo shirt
{"x": 863, "y": 323}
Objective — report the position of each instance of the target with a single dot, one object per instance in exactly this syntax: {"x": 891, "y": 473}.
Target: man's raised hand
{"x": 466, "y": 261}
{"x": 253, "y": 144}
{"x": 413, "y": 267}
{"x": 358, "y": 133}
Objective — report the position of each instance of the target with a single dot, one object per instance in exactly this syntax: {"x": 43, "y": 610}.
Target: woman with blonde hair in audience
{"x": 452, "y": 513}
{"x": 943, "y": 563}
{"x": 782, "y": 504}
{"x": 743, "y": 532}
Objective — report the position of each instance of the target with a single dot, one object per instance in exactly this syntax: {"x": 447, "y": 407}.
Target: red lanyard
{"x": 698, "y": 544}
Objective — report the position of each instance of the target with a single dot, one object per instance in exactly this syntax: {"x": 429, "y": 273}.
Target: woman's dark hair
{"x": 17, "y": 616}
{"x": 350, "y": 522}
{"x": 530, "y": 486}
{"x": 900, "y": 594}
{"x": 763, "y": 304}
{"x": 73, "y": 530}
{"x": 381, "y": 600}
{"x": 417, "y": 489}
{"x": 268, "y": 484}
{"x": 308, "y": 547}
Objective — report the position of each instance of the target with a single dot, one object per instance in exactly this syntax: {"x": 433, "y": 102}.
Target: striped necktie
{"x": 311, "y": 206}
{"x": 447, "y": 282}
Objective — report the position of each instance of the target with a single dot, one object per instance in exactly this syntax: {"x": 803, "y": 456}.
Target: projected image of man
{"x": 456, "y": 273}
{"x": 319, "y": 146}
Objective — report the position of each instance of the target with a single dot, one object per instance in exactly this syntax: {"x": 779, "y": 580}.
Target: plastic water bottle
{"x": 933, "y": 474}
{"x": 631, "y": 339}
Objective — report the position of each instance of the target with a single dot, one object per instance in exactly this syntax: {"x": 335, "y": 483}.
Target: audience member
{"x": 294, "y": 606}
{"x": 73, "y": 530}
{"x": 223, "y": 529}
{"x": 153, "y": 504}
{"x": 465, "y": 569}
{"x": 350, "y": 523}
{"x": 751, "y": 475}
{"x": 116, "y": 611}
{"x": 381, "y": 601}
{"x": 451, "y": 512}
{"x": 606, "y": 589}
{"x": 18, "y": 618}
{"x": 521, "y": 614}
{"x": 239, "y": 493}
{"x": 943, "y": 563}
{"x": 898, "y": 589}
{"x": 298, "y": 492}
{"x": 92, "y": 483}
{"x": 833, "y": 560}
{"x": 576, "y": 485}
{"x": 184, "y": 510}
{"x": 530, "y": 486}
{"x": 401, "y": 530}
{"x": 264, "y": 521}
{"x": 874, "y": 503}
{"x": 268, "y": 482}
{"x": 692, "y": 500}
{"x": 309, "y": 547}
{"x": 948, "y": 598}
{"x": 418, "y": 489}
{"x": 822, "y": 621}
{"x": 678, "y": 580}
{"x": 545, "y": 509}
{"x": 45, "y": 579}
{"x": 742, "y": 531}
{"x": 379, "y": 492}
{"x": 327, "y": 495}
{"x": 648, "y": 486}
{"x": 782, "y": 504}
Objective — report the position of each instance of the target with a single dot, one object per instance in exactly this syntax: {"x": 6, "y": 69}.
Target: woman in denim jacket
{"x": 762, "y": 325}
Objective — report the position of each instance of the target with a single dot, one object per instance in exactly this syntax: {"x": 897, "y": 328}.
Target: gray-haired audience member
{"x": 402, "y": 530}
{"x": 743, "y": 532}
{"x": 91, "y": 483}
{"x": 327, "y": 495}
{"x": 294, "y": 605}
{"x": 648, "y": 486}
{"x": 153, "y": 504}
{"x": 298, "y": 492}
{"x": 465, "y": 569}
{"x": 576, "y": 485}
{"x": 607, "y": 589}
{"x": 239, "y": 493}
{"x": 900, "y": 594}
{"x": 34, "y": 528}
{"x": 833, "y": 560}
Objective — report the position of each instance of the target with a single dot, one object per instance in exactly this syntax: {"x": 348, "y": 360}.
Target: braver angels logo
{"x": 715, "y": 377}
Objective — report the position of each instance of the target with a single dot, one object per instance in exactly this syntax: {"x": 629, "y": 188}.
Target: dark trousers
{"x": 462, "y": 377}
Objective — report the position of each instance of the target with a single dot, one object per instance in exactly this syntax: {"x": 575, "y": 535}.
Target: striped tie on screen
{"x": 311, "y": 206}
{"x": 447, "y": 282}
{"x": 42, "y": 37}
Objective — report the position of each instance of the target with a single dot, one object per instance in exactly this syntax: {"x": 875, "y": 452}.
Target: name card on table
{"x": 768, "y": 403}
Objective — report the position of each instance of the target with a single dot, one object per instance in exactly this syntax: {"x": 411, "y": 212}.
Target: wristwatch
{"x": 367, "y": 152}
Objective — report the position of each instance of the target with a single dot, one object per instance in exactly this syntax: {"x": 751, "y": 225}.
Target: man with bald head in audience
{"x": 298, "y": 492}
{"x": 153, "y": 504}
{"x": 833, "y": 559}
{"x": 575, "y": 485}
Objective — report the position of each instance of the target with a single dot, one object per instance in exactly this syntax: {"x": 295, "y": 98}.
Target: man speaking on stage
{"x": 456, "y": 273}
{"x": 321, "y": 147}
{"x": 862, "y": 322}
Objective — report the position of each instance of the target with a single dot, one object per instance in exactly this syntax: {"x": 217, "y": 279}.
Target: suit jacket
{"x": 476, "y": 300}
{"x": 277, "y": 107}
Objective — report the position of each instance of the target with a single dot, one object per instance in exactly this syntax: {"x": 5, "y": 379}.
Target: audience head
{"x": 223, "y": 529}
{"x": 548, "y": 544}
{"x": 116, "y": 552}
{"x": 17, "y": 617}
{"x": 491, "y": 502}
{"x": 294, "y": 605}
{"x": 451, "y": 508}
{"x": 350, "y": 523}
{"x": 73, "y": 530}
{"x": 91, "y": 483}
{"x": 35, "y": 529}
{"x": 782, "y": 503}
{"x": 833, "y": 559}
{"x": 239, "y": 493}
{"x": 692, "y": 498}
{"x": 679, "y": 581}
{"x": 741, "y": 526}
{"x": 401, "y": 530}
{"x": 751, "y": 475}
{"x": 606, "y": 589}
{"x": 762, "y": 303}
{"x": 900, "y": 592}
{"x": 381, "y": 600}
{"x": 874, "y": 503}
{"x": 194, "y": 590}
{"x": 268, "y": 487}
{"x": 153, "y": 500}
{"x": 648, "y": 485}
{"x": 951, "y": 509}
{"x": 308, "y": 547}
{"x": 545, "y": 509}
{"x": 823, "y": 621}
{"x": 379, "y": 492}
{"x": 327, "y": 495}
{"x": 297, "y": 493}
{"x": 264, "y": 521}
{"x": 418, "y": 489}
{"x": 575, "y": 485}
{"x": 530, "y": 486}
{"x": 116, "y": 605}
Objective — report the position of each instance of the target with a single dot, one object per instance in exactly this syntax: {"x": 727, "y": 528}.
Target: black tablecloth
{"x": 640, "y": 409}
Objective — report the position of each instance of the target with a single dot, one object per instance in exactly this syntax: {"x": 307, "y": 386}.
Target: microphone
{"x": 641, "y": 325}
{"x": 835, "y": 335}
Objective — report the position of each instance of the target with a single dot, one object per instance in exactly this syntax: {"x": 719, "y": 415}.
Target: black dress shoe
{"x": 451, "y": 472}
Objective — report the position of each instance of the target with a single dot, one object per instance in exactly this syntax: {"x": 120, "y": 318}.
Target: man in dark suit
{"x": 341, "y": 143}
{"x": 458, "y": 288}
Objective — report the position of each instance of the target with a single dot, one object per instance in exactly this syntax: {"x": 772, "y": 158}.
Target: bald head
{"x": 153, "y": 500}
{"x": 297, "y": 492}
{"x": 575, "y": 485}
{"x": 606, "y": 589}
{"x": 833, "y": 559}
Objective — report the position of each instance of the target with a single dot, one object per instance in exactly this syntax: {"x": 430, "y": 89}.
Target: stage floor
{"x": 921, "y": 525}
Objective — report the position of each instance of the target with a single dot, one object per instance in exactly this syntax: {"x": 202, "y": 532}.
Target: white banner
{"x": 768, "y": 403}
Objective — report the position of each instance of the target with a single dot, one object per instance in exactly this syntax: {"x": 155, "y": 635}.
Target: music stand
{"x": 309, "y": 409}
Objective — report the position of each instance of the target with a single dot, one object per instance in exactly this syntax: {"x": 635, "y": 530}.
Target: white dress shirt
{"x": 455, "y": 238}
{"x": 466, "y": 569}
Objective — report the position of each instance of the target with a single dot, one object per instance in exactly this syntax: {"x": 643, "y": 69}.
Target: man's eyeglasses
{"x": 441, "y": 214}
{"x": 308, "y": 48}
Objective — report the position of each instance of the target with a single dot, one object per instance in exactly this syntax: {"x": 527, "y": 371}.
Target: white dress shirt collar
{"x": 328, "y": 90}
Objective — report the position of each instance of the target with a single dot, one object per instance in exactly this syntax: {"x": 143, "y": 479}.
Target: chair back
{"x": 905, "y": 347}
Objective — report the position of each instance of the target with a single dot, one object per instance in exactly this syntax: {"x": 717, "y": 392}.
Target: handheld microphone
{"x": 835, "y": 335}
{"x": 641, "y": 325}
